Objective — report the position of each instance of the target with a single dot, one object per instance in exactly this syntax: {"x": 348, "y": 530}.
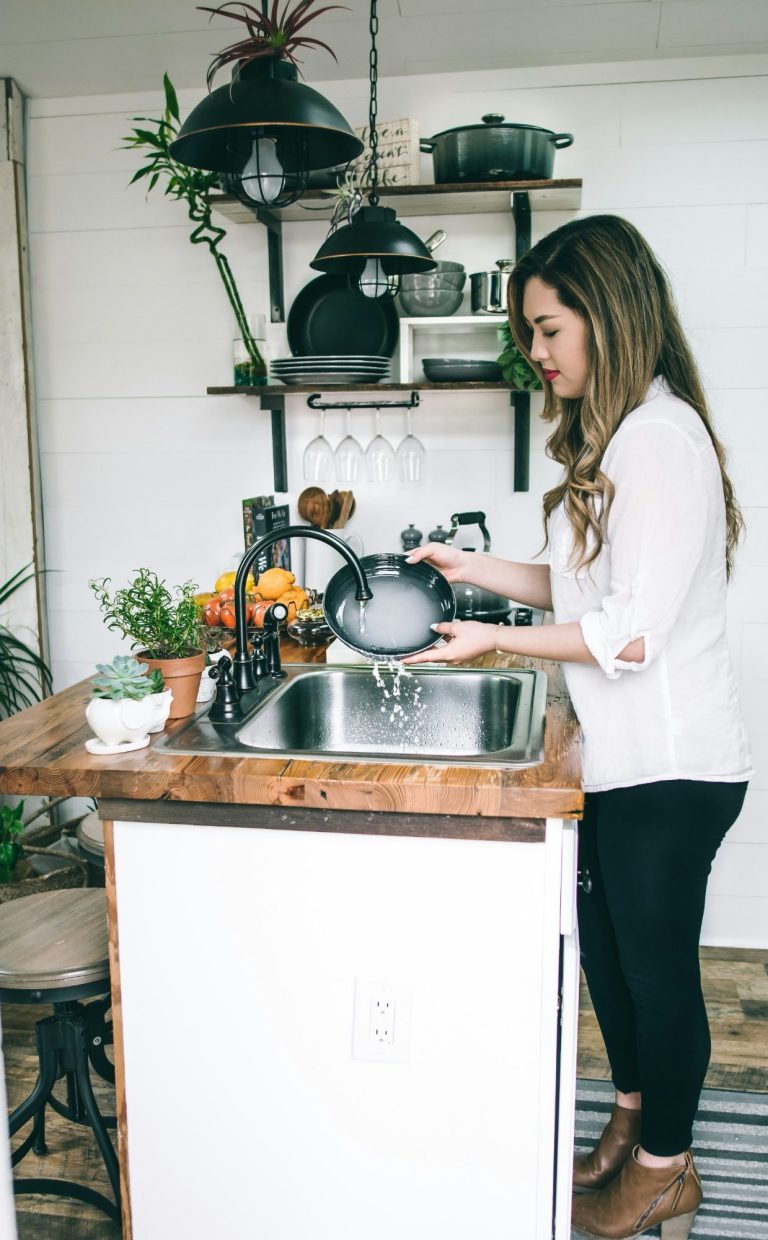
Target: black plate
{"x": 407, "y": 599}
{"x": 328, "y": 316}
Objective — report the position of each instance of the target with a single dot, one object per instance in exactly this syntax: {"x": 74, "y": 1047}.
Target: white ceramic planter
{"x": 126, "y": 722}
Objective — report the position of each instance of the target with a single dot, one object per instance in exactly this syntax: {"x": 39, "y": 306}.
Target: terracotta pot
{"x": 182, "y": 676}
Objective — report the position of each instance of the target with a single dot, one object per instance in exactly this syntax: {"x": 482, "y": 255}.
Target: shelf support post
{"x": 276, "y": 405}
{"x": 274, "y": 229}
{"x": 521, "y": 401}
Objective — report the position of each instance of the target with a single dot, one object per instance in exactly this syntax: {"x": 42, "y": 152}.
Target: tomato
{"x": 259, "y": 612}
{"x": 212, "y": 613}
{"x": 228, "y": 616}
{"x": 226, "y": 596}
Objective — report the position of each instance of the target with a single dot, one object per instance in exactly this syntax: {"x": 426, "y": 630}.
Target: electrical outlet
{"x": 381, "y": 1028}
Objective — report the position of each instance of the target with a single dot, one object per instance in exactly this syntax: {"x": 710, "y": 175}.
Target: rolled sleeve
{"x": 655, "y": 540}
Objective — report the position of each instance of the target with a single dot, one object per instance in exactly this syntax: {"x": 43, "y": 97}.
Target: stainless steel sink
{"x": 490, "y": 717}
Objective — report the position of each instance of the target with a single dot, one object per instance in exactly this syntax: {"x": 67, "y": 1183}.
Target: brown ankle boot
{"x": 620, "y": 1136}
{"x": 640, "y": 1198}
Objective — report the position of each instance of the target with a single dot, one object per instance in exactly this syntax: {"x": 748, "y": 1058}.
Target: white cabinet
{"x": 249, "y": 1113}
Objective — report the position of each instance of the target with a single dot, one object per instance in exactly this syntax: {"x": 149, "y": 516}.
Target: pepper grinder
{"x": 411, "y": 538}
{"x": 438, "y": 535}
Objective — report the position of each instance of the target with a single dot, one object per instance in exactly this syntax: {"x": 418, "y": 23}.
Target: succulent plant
{"x": 125, "y": 677}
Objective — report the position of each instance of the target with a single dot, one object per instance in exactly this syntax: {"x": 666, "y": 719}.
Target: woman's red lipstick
{"x": 549, "y": 375}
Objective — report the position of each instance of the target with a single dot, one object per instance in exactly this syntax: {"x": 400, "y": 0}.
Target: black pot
{"x": 494, "y": 151}
{"x": 472, "y": 603}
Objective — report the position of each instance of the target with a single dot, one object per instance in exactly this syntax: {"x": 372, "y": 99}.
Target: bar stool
{"x": 90, "y": 840}
{"x": 54, "y": 950}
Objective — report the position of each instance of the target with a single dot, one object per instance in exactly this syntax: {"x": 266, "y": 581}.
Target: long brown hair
{"x": 604, "y": 270}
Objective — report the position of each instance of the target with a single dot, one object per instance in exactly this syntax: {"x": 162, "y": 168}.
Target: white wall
{"x": 131, "y": 325}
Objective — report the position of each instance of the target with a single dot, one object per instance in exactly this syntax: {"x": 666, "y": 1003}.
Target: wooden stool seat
{"x": 90, "y": 837}
{"x": 54, "y": 942}
{"x": 54, "y": 948}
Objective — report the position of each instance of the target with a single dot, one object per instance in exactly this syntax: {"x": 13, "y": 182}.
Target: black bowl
{"x": 407, "y": 599}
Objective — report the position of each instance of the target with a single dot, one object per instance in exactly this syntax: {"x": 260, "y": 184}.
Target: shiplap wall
{"x": 131, "y": 325}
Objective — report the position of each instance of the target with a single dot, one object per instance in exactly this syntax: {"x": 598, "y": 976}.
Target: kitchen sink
{"x": 474, "y": 716}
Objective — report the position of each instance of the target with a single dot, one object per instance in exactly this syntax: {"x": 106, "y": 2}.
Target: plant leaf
{"x": 171, "y": 101}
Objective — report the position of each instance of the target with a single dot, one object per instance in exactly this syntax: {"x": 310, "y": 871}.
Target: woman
{"x": 641, "y": 530}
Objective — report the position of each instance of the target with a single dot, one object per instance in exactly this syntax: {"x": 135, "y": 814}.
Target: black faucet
{"x": 243, "y": 666}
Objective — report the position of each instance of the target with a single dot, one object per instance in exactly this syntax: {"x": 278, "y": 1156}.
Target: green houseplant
{"x": 515, "y": 366}
{"x": 190, "y": 186}
{"x": 24, "y": 676}
{"x": 20, "y": 841}
{"x": 163, "y": 625}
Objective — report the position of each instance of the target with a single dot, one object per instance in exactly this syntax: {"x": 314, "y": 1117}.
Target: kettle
{"x": 473, "y": 602}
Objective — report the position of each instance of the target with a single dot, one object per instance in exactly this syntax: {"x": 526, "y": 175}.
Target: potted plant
{"x": 129, "y": 701}
{"x": 164, "y": 628}
{"x": 56, "y": 868}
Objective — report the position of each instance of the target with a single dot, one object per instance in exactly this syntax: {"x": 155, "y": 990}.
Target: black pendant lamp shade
{"x": 374, "y": 239}
{"x": 374, "y": 250}
{"x": 268, "y": 129}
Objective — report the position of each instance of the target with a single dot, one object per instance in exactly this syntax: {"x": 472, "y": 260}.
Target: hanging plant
{"x": 191, "y": 186}
{"x": 269, "y": 34}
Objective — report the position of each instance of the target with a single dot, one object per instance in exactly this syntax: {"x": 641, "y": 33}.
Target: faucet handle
{"x": 259, "y": 659}
{"x": 226, "y": 706}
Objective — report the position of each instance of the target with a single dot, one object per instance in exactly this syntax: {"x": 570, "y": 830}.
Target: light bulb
{"x": 373, "y": 281}
{"x": 263, "y": 176}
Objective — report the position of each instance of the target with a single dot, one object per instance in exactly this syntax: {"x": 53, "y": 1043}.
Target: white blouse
{"x": 660, "y": 576}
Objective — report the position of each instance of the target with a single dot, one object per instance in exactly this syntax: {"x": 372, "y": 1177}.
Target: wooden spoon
{"x": 315, "y": 506}
{"x": 347, "y": 507}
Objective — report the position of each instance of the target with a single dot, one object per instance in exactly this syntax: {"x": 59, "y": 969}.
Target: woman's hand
{"x": 466, "y": 640}
{"x": 450, "y": 560}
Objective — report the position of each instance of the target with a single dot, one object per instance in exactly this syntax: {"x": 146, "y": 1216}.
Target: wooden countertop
{"x": 42, "y": 752}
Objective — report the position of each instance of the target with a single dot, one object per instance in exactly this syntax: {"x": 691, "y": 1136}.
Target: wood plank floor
{"x": 735, "y": 988}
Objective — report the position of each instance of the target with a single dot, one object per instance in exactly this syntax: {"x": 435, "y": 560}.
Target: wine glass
{"x": 380, "y": 456}
{"x": 411, "y": 457}
{"x": 349, "y": 455}
{"x": 318, "y": 457}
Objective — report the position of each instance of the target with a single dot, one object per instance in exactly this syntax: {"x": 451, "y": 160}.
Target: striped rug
{"x": 730, "y": 1146}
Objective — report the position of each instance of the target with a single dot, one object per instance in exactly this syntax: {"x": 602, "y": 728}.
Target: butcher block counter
{"x": 42, "y": 752}
{"x": 344, "y": 994}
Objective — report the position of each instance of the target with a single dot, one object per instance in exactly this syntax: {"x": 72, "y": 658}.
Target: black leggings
{"x": 649, "y": 850}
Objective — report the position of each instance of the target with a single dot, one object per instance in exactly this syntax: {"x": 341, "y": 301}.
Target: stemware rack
{"x": 314, "y": 403}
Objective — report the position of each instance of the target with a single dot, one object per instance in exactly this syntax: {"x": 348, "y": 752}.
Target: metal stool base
{"x": 67, "y": 1043}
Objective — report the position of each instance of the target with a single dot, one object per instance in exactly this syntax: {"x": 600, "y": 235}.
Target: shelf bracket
{"x": 521, "y": 213}
{"x": 314, "y": 403}
{"x": 521, "y": 403}
{"x": 276, "y": 405}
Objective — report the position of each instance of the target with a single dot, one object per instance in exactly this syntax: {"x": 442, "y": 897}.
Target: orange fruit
{"x": 275, "y": 581}
{"x": 294, "y": 595}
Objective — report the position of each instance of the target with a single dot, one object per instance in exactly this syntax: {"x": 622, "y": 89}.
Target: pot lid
{"x": 492, "y": 120}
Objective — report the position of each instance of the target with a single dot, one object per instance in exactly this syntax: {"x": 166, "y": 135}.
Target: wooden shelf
{"x": 286, "y": 389}
{"x": 472, "y": 198}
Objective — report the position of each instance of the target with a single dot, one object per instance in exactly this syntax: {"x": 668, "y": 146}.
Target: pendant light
{"x": 374, "y": 249}
{"x": 266, "y": 130}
